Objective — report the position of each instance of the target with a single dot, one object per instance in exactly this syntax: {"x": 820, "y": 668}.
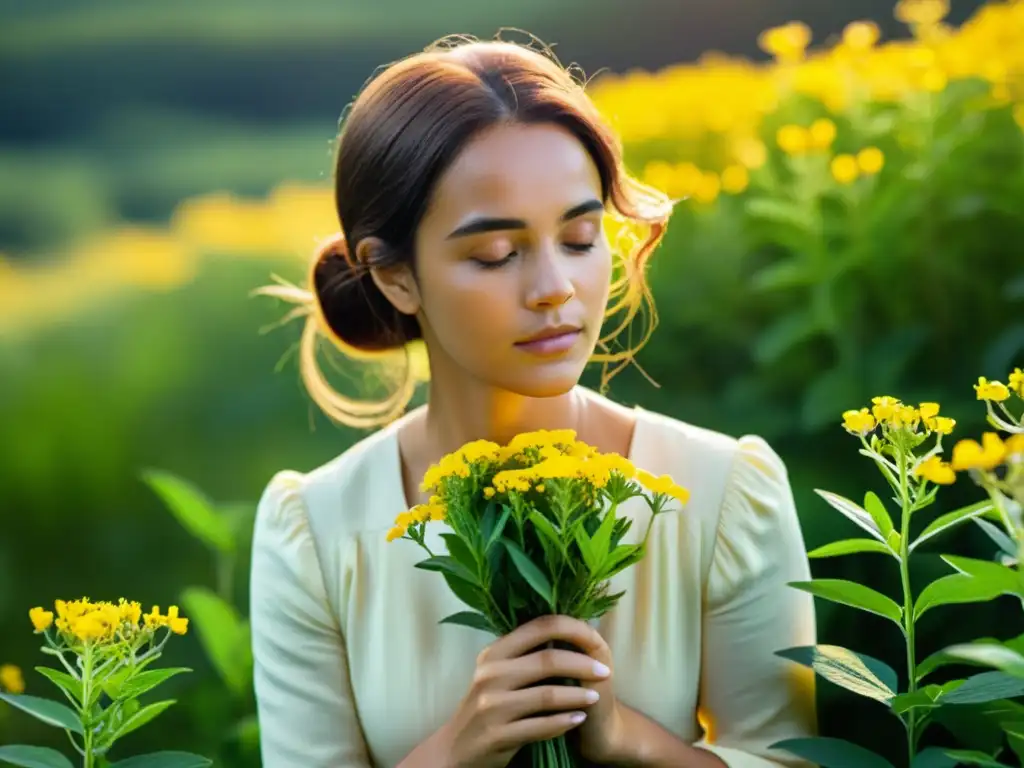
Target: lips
{"x": 552, "y": 341}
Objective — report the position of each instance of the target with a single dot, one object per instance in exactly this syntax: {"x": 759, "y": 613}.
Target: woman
{"x": 471, "y": 184}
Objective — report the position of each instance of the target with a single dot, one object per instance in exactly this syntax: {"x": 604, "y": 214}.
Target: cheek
{"x": 593, "y": 279}
{"x": 467, "y": 305}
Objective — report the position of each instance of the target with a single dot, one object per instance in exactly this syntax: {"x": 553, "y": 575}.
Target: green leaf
{"x": 954, "y": 589}
{"x": 932, "y": 757}
{"x": 529, "y": 571}
{"x": 471, "y": 619}
{"x": 499, "y": 528}
{"x": 468, "y": 593}
{"x": 1005, "y": 543}
{"x": 462, "y": 553}
{"x": 970, "y": 757}
{"x": 860, "y": 674}
{"x": 147, "y": 681}
{"x": 778, "y": 338}
{"x": 488, "y": 519}
{"x": 602, "y": 539}
{"x": 929, "y": 697}
{"x": 448, "y": 564}
{"x": 832, "y": 753}
{"x": 621, "y": 558}
{"x": 941, "y": 657}
{"x": 995, "y": 573}
{"x": 49, "y": 712}
{"x": 985, "y": 687}
{"x": 63, "y": 680}
{"x": 139, "y": 719}
{"x": 850, "y": 547}
{"x": 164, "y": 760}
{"x": 546, "y": 531}
{"x": 998, "y": 656}
{"x": 223, "y": 634}
{"x": 853, "y": 512}
{"x": 33, "y": 757}
{"x": 876, "y": 509}
{"x": 852, "y": 594}
{"x": 583, "y": 541}
{"x": 778, "y": 211}
{"x": 951, "y": 520}
{"x": 782, "y": 274}
{"x": 192, "y": 509}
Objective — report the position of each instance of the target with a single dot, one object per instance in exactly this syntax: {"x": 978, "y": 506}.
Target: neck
{"x": 458, "y": 415}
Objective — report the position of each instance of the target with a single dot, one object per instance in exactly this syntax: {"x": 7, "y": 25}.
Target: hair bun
{"x": 351, "y": 307}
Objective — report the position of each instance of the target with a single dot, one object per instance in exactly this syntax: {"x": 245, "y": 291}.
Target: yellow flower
{"x": 177, "y": 624}
{"x": 753, "y": 154}
{"x": 11, "y": 679}
{"x": 735, "y": 179}
{"x": 936, "y": 471}
{"x": 786, "y": 43}
{"x": 944, "y": 425}
{"x": 968, "y": 454}
{"x": 905, "y": 416}
{"x": 130, "y": 611}
{"x": 870, "y": 160}
{"x": 991, "y": 390}
{"x": 793, "y": 139}
{"x": 1017, "y": 382}
{"x": 884, "y": 407}
{"x": 153, "y": 619}
{"x": 663, "y": 485}
{"x": 858, "y": 422}
{"x": 1015, "y": 446}
{"x": 922, "y": 12}
{"x": 396, "y": 533}
{"x": 539, "y": 488}
{"x": 707, "y": 188}
{"x": 929, "y": 411}
{"x": 489, "y": 492}
{"x": 822, "y": 133}
{"x": 845, "y": 169}
{"x": 860, "y": 35}
{"x": 41, "y": 619}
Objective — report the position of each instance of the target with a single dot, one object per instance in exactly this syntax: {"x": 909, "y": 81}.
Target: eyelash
{"x": 490, "y": 264}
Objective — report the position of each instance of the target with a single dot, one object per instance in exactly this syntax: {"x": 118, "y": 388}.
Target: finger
{"x": 543, "y": 699}
{"x": 531, "y": 729}
{"x": 520, "y": 672}
{"x": 543, "y": 630}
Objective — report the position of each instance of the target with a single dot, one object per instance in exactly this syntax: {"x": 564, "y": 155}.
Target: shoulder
{"x": 343, "y": 495}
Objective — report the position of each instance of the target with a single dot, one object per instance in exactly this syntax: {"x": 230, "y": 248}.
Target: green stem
{"x": 86, "y": 711}
{"x": 908, "y": 605}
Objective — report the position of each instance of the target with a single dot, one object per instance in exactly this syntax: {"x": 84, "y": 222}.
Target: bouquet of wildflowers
{"x": 535, "y": 529}
{"x": 105, "y": 651}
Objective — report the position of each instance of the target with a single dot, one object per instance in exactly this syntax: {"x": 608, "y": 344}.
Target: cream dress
{"x": 353, "y": 670}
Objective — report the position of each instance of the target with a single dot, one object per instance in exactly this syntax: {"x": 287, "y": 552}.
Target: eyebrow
{"x": 480, "y": 225}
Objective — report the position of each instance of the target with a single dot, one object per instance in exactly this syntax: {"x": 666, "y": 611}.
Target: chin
{"x": 543, "y": 381}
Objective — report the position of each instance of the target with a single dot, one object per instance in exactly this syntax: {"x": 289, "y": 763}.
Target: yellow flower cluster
{"x": 711, "y": 112}
{"x": 996, "y": 391}
{"x": 11, "y": 679}
{"x": 537, "y": 457}
{"x": 936, "y": 470}
{"x": 892, "y": 413}
{"x": 104, "y": 622}
{"x": 989, "y": 454}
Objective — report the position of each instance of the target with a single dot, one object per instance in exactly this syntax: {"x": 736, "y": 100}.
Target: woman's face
{"x": 513, "y": 268}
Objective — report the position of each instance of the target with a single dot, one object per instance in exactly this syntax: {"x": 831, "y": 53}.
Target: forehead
{"x": 526, "y": 171}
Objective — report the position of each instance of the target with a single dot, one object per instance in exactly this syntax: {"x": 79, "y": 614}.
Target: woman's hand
{"x": 504, "y": 708}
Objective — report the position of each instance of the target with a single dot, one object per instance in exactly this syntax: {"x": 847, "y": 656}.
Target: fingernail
{"x": 578, "y": 717}
{"x": 601, "y": 670}
{"x": 591, "y": 695}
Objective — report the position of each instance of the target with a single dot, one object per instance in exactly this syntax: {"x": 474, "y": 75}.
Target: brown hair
{"x": 399, "y": 135}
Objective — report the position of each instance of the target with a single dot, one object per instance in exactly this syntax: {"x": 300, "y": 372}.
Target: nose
{"x": 549, "y": 283}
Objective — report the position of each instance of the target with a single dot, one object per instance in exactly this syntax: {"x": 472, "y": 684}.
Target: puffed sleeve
{"x": 749, "y": 697}
{"x": 306, "y": 712}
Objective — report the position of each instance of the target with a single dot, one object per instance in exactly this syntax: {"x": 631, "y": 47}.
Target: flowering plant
{"x": 535, "y": 529}
{"x": 104, "y": 650}
{"x": 905, "y": 442}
